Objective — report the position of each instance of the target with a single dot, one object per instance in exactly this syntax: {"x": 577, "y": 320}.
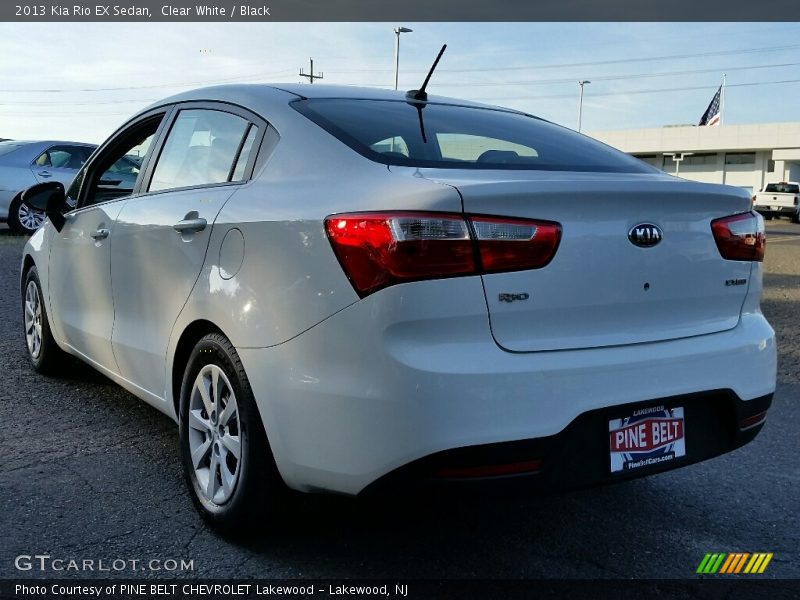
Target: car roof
{"x": 46, "y": 142}
{"x": 254, "y": 95}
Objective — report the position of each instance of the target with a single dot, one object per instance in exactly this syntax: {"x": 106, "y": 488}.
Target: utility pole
{"x": 580, "y": 103}
{"x": 310, "y": 76}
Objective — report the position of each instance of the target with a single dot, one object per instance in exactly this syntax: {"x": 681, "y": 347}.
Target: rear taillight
{"x": 754, "y": 199}
{"x": 377, "y": 250}
{"x": 514, "y": 244}
{"x": 796, "y": 198}
{"x": 740, "y": 237}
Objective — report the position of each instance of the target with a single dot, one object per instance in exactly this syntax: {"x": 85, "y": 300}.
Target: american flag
{"x": 711, "y": 116}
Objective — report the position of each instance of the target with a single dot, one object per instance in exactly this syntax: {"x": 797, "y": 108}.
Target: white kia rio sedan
{"x": 334, "y": 289}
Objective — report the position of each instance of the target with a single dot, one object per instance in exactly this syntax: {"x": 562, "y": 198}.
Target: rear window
{"x": 783, "y": 188}
{"x": 460, "y": 137}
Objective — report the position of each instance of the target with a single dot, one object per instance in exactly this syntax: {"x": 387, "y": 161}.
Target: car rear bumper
{"x": 776, "y": 210}
{"x": 346, "y": 403}
{"x": 717, "y": 422}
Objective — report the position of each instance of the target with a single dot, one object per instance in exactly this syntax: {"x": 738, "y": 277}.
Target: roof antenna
{"x": 420, "y": 95}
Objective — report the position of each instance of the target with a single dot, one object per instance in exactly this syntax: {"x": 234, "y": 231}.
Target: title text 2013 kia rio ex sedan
{"x": 333, "y": 289}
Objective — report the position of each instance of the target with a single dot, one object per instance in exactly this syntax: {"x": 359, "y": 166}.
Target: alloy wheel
{"x": 33, "y": 319}
{"x": 214, "y": 434}
{"x": 30, "y": 219}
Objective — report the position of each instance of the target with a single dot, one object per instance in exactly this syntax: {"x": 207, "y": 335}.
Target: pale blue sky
{"x": 521, "y": 65}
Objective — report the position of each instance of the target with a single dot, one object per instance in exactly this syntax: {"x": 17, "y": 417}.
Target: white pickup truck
{"x": 779, "y": 200}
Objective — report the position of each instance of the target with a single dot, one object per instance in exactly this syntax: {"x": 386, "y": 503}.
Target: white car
{"x": 332, "y": 289}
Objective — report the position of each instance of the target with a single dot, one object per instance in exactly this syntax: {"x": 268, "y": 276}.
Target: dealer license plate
{"x": 648, "y": 437}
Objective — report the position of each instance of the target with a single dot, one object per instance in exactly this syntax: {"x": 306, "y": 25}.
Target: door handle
{"x": 192, "y": 225}
{"x": 100, "y": 234}
{"x": 45, "y": 174}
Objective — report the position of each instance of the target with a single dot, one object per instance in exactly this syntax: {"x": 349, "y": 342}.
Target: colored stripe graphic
{"x": 707, "y": 566}
{"x": 711, "y": 563}
{"x": 716, "y": 565}
{"x": 728, "y": 564}
{"x": 764, "y": 564}
{"x": 755, "y": 561}
{"x": 734, "y": 563}
{"x": 741, "y": 562}
{"x": 703, "y": 563}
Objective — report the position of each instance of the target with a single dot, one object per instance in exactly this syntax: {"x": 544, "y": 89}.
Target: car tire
{"x": 234, "y": 491}
{"x": 796, "y": 217}
{"x": 43, "y": 352}
{"x": 22, "y": 219}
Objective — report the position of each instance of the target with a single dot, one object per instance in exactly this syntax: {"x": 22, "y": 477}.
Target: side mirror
{"x": 48, "y": 197}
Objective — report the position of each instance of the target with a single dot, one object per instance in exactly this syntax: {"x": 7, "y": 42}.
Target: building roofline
{"x": 753, "y": 136}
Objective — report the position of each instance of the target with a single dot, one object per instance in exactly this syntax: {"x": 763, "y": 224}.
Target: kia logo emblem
{"x": 645, "y": 235}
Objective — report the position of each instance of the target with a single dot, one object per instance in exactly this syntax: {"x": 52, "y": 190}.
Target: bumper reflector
{"x": 756, "y": 419}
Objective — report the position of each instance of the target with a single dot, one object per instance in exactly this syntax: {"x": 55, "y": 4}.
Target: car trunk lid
{"x": 601, "y": 288}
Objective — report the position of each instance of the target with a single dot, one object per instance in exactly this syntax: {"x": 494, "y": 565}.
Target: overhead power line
{"x": 564, "y": 80}
{"x": 483, "y": 99}
{"x": 531, "y": 67}
{"x": 650, "y": 91}
{"x": 571, "y": 80}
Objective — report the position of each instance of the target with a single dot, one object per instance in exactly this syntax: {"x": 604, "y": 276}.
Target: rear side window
{"x": 63, "y": 157}
{"x": 448, "y": 136}
{"x": 785, "y": 188}
{"x": 201, "y": 149}
{"x": 244, "y": 155}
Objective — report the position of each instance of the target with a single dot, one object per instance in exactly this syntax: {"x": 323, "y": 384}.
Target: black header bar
{"x": 398, "y": 10}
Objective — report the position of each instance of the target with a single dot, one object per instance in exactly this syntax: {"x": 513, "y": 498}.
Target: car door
{"x": 60, "y": 162}
{"x": 81, "y": 299}
{"x": 161, "y": 236}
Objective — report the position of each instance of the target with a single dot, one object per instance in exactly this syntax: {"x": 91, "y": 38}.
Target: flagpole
{"x": 722, "y": 100}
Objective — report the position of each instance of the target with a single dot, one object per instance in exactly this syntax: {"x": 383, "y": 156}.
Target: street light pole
{"x": 397, "y": 32}
{"x": 580, "y": 102}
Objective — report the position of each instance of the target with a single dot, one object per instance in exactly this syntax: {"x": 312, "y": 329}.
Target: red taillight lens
{"x": 514, "y": 244}
{"x": 740, "y": 237}
{"x": 377, "y": 250}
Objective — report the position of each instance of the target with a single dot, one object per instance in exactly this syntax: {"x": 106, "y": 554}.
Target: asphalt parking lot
{"x": 89, "y": 472}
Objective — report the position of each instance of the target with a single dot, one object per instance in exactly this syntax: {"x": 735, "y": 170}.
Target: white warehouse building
{"x": 746, "y": 156}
